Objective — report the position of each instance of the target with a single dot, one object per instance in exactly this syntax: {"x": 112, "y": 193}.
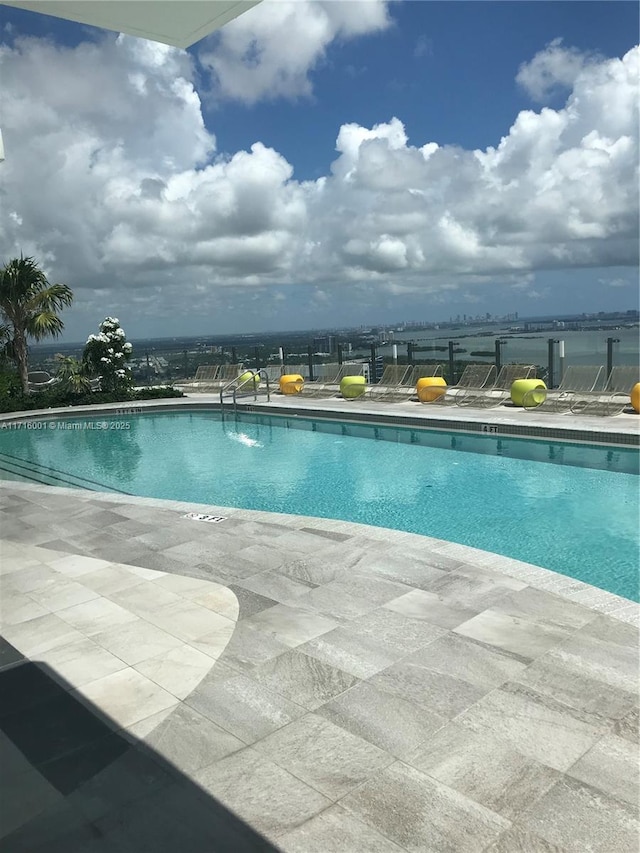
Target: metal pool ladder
{"x": 236, "y": 390}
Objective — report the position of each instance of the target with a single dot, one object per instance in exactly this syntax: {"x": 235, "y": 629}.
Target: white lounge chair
{"x": 474, "y": 377}
{"x": 393, "y": 377}
{"x": 406, "y": 388}
{"x": 613, "y": 398}
{"x": 578, "y": 379}
{"x": 328, "y": 384}
{"x": 227, "y": 374}
{"x": 500, "y": 391}
{"x": 40, "y": 380}
{"x": 204, "y": 374}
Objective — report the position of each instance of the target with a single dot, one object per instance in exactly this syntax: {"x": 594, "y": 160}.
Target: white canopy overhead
{"x": 180, "y": 23}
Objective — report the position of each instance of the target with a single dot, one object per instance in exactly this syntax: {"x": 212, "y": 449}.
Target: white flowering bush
{"x": 106, "y": 355}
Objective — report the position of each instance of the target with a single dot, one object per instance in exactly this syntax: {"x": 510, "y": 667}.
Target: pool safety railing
{"x": 246, "y": 385}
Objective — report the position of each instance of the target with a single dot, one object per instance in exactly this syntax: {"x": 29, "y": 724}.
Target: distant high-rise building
{"x": 326, "y": 344}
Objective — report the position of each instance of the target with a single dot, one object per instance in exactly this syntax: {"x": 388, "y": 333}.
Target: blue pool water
{"x": 568, "y": 507}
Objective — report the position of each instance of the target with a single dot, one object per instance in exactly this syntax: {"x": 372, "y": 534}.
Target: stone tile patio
{"x": 293, "y": 684}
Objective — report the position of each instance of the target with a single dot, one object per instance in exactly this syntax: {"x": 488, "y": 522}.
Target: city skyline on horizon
{"x": 632, "y": 314}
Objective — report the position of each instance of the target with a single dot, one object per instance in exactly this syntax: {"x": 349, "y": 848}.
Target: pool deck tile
{"x": 275, "y": 802}
{"x": 611, "y": 766}
{"x": 421, "y": 814}
{"x": 351, "y": 652}
{"x": 324, "y": 755}
{"x": 485, "y": 768}
{"x": 242, "y": 706}
{"x": 304, "y": 679}
{"x": 512, "y": 634}
{"x": 305, "y": 685}
{"x": 578, "y": 817}
{"x": 388, "y": 720}
{"x": 536, "y": 725}
{"x": 335, "y": 831}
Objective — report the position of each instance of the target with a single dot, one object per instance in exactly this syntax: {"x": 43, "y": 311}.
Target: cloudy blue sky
{"x": 329, "y": 163}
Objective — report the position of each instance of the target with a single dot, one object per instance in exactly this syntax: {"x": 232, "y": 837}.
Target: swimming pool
{"x": 568, "y": 507}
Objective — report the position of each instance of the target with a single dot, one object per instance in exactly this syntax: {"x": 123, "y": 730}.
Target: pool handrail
{"x": 236, "y": 387}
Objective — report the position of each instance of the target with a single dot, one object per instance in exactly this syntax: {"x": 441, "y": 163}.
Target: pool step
{"x": 35, "y": 472}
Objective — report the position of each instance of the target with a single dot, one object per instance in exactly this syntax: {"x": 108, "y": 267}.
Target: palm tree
{"x": 29, "y": 304}
{"x": 5, "y": 344}
{"x": 72, "y": 373}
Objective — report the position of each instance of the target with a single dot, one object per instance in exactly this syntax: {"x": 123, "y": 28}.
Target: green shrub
{"x": 157, "y": 393}
{"x": 10, "y": 385}
{"x": 59, "y": 398}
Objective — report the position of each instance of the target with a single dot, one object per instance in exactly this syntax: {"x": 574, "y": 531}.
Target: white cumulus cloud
{"x": 270, "y": 51}
{"x": 115, "y": 184}
{"x": 552, "y": 69}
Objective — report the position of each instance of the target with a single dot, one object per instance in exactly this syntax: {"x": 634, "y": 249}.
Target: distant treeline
{"x": 437, "y": 349}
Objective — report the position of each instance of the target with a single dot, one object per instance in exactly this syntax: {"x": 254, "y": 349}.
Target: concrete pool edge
{"x": 564, "y": 586}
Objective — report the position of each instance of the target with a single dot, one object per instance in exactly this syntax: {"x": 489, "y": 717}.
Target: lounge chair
{"x": 330, "y": 386}
{"x": 40, "y": 380}
{"x": 578, "y": 379}
{"x": 228, "y": 373}
{"x": 225, "y": 375}
{"x": 205, "y": 374}
{"x": 406, "y": 389}
{"x": 394, "y": 376}
{"x": 500, "y": 391}
{"x": 474, "y": 377}
{"x": 274, "y": 372}
{"x": 296, "y": 369}
{"x": 327, "y": 373}
{"x": 613, "y": 398}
